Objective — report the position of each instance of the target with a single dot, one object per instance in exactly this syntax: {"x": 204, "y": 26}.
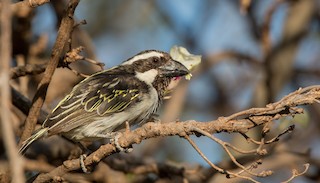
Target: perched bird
{"x": 103, "y": 102}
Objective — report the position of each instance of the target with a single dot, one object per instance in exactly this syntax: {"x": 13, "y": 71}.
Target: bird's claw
{"x": 115, "y": 140}
{"x": 82, "y": 165}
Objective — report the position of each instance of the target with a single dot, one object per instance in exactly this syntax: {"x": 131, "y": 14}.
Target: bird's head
{"x": 156, "y": 68}
{"x": 156, "y": 63}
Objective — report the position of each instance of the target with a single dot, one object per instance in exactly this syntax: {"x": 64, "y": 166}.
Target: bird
{"x": 104, "y": 102}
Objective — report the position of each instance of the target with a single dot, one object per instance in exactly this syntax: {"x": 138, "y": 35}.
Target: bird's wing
{"x": 100, "y": 95}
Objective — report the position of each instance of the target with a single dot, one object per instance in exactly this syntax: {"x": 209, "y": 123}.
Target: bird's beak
{"x": 173, "y": 69}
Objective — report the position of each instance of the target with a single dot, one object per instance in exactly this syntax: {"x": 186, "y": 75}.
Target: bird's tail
{"x": 38, "y": 135}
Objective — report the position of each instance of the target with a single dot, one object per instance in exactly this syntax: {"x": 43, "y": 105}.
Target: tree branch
{"x": 240, "y": 122}
{"x": 24, "y": 105}
{"x": 30, "y": 69}
{"x": 64, "y": 31}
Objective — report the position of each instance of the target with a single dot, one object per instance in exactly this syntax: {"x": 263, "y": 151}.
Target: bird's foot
{"x": 115, "y": 140}
{"x": 82, "y": 165}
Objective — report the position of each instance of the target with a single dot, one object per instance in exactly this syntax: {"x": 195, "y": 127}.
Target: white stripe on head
{"x": 143, "y": 56}
{"x": 148, "y": 77}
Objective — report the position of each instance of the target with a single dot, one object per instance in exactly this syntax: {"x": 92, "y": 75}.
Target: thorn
{"x": 127, "y": 127}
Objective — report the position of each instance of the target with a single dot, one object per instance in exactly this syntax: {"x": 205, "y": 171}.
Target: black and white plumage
{"x": 103, "y": 102}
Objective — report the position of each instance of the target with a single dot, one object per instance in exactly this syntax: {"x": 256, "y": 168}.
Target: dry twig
{"x": 70, "y": 57}
{"x": 73, "y": 56}
{"x": 295, "y": 173}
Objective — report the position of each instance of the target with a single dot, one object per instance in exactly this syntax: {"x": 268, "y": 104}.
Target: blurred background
{"x": 254, "y": 53}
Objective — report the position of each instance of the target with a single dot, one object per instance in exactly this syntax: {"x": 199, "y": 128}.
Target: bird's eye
{"x": 156, "y": 60}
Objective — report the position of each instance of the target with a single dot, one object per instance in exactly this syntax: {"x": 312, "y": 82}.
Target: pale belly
{"x": 102, "y": 127}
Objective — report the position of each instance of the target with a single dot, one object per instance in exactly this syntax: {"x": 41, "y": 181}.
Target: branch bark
{"x": 24, "y": 105}
{"x": 64, "y": 32}
{"x": 240, "y": 122}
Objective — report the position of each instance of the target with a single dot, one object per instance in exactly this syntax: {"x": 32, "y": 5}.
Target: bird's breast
{"x": 135, "y": 114}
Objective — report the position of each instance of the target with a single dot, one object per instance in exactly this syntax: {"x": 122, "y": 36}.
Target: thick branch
{"x": 240, "y": 122}
{"x": 38, "y": 100}
{"x": 24, "y": 105}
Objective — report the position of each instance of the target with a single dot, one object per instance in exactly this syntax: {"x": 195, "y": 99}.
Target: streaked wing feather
{"x": 100, "y": 95}
{"x": 73, "y": 121}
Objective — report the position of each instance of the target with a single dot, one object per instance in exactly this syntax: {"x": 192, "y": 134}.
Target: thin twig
{"x": 286, "y": 131}
{"x": 204, "y": 157}
{"x": 274, "y": 139}
{"x": 233, "y": 159}
{"x": 215, "y": 166}
{"x": 290, "y": 100}
{"x": 74, "y": 55}
{"x": 28, "y": 69}
{"x": 295, "y": 173}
